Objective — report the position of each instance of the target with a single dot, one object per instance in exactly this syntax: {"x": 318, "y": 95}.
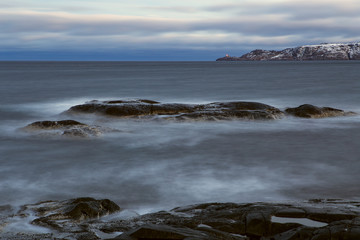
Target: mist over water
{"x": 152, "y": 165}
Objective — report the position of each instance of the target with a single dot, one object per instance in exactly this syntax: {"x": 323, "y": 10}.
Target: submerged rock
{"x": 178, "y": 111}
{"x": 311, "y": 111}
{"x": 70, "y": 128}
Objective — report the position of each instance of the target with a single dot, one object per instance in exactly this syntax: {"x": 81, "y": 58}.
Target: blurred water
{"x": 157, "y": 165}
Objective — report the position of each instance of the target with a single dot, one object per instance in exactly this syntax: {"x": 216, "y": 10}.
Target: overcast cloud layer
{"x": 173, "y": 26}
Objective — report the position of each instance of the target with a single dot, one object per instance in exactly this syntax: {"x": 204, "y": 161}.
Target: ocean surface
{"x": 151, "y": 165}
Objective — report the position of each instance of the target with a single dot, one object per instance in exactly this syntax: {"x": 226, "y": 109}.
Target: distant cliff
{"x": 347, "y": 51}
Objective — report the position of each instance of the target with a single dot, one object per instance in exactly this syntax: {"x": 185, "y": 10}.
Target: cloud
{"x": 304, "y": 9}
{"x": 246, "y": 25}
{"x": 177, "y": 9}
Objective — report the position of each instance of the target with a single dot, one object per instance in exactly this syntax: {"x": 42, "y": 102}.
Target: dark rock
{"x": 87, "y": 236}
{"x": 257, "y": 224}
{"x": 332, "y": 216}
{"x": 85, "y": 131}
{"x": 176, "y": 111}
{"x": 311, "y": 111}
{"x": 300, "y": 233}
{"x": 254, "y": 220}
{"x": 70, "y": 218}
{"x": 122, "y": 108}
{"x": 77, "y": 209}
{"x": 54, "y": 124}
{"x": 158, "y": 232}
{"x": 61, "y": 215}
{"x": 134, "y": 101}
{"x": 176, "y": 233}
{"x": 64, "y": 127}
{"x": 85, "y": 208}
{"x": 350, "y": 51}
{"x": 79, "y": 219}
{"x": 280, "y": 228}
{"x": 290, "y": 213}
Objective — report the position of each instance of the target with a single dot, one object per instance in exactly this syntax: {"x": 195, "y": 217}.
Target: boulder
{"x": 179, "y": 111}
{"x": 74, "y": 209}
{"x": 311, "y": 111}
{"x": 70, "y": 128}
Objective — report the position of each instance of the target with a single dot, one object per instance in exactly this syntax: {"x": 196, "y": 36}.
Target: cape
{"x": 326, "y": 51}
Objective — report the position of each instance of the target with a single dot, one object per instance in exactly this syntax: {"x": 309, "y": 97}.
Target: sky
{"x": 168, "y": 30}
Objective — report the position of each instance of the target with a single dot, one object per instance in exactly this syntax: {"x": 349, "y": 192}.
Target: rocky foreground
{"x": 350, "y": 51}
{"x": 87, "y": 218}
{"x": 152, "y": 110}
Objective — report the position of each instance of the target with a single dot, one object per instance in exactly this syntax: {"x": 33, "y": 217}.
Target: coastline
{"x": 321, "y": 52}
{"x": 87, "y": 218}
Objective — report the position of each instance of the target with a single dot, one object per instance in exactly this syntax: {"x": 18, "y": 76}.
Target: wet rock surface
{"x": 202, "y": 112}
{"x": 70, "y": 128}
{"x": 142, "y": 109}
{"x": 54, "y": 124}
{"x": 178, "y": 111}
{"x": 83, "y": 218}
{"x": 311, "y": 111}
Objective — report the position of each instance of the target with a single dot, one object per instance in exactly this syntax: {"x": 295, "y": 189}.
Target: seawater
{"x": 150, "y": 165}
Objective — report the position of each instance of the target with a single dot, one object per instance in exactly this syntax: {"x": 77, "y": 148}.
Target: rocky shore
{"x": 346, "y": 51}
{"x": 150, "y": 110}
{"x": 88, "y": 218}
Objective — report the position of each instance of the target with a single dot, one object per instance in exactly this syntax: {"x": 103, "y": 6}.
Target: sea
{"x": 148, "y": 165}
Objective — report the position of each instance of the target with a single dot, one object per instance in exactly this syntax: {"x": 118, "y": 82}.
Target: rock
{"x": 148, "y": 109}
{"x": 69, "y": 128}
{"x": 68, "y": 216}
{"x": 346, "y": 51}
{"x": 75, "y": 209}
{"x": 54, "y": 124}
{"x": 311, "y": 111}
{"x": 290, "y": 212}
{"x": 176, "y": 233}
{"x": 81, "y": 219}
{"x": 86, "y": 131}
{"x": 254, "y": 220}
{"x": 87, "y": 236}
{"x": 70, "y": 219}
{"x": 177, "y": 111}
{"x": 85, "y": 208}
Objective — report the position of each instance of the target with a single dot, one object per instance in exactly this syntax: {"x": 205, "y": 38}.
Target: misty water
{"x": 152, "y": 165}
